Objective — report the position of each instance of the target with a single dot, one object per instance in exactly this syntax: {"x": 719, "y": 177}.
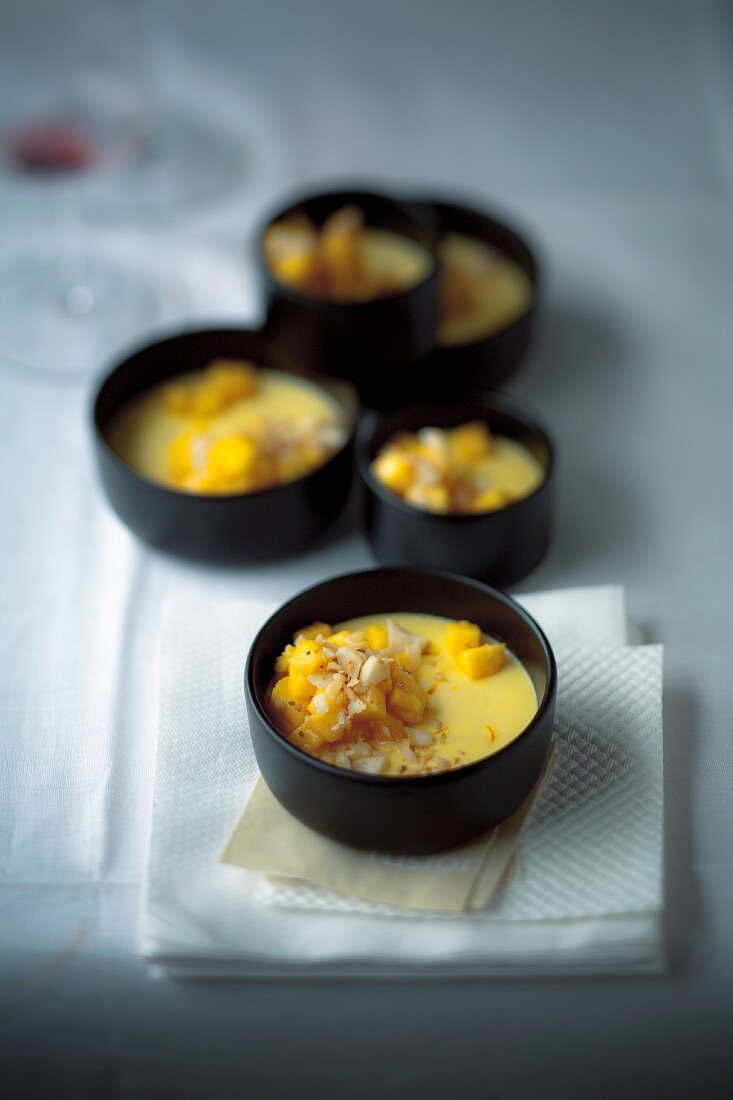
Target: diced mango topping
{"x": 327, "y": 262}
{"x": 348, "y": 692}
{"x": 482, "y": 660}
{"x": 232, "y": 456}
{"x": 376, "y": 637}
{"x": 225, "y": 381}
{"x": 477, "y": 658}
{"x": 442, "y": 470}
{"x": 462, "y": 635}
{"x": 314, "y": 631}
{"x": 394, "y": 470}
{"x": 211, "y": 457}
{"x": 372, "y": 697}
{"x": 470, "y": 442}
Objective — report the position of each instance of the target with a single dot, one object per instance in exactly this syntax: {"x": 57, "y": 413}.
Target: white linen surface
{"x": 588, "y": 895}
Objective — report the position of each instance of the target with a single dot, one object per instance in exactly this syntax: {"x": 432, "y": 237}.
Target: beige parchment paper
{"x": 268, "y": 839}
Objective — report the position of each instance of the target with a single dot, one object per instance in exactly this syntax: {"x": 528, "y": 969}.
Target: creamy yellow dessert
{"x": 399, "y": 694}
{"x": 231, "y": 428}
{"x": 344, "y": 260}
{"x": 458, "y": 470}
{"x": 482, "y": 290}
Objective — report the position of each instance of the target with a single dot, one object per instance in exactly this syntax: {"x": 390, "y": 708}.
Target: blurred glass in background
{"x": 72, "y": 106}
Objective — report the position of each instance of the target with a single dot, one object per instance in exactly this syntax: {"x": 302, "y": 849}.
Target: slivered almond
{"x": 350, "y": 660}
{"x": 422, "y": 738}
{"x": 333, "y": 688}
{"x": 319, "y": 703}
{"x": 371, "y": 765}
{"x": 374, "y": 670}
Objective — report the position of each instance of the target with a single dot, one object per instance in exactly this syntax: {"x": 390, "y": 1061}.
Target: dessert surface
{"x": 482, "y": 290}
{"x": 345, "y": 260}
{"x": 401, "y": 694}
{"x": 230, "y": 428}
{"x": 458, "y": 470}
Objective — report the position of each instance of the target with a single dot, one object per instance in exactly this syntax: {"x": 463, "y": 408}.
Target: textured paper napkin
{"x": 587, "y": 896}
{"x": 267, "y": 838}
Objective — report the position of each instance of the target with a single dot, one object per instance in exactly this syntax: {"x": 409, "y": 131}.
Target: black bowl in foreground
{"x": 375, "y": 344}
{"x": 500, "y": 547}
{"x": 234, "y": 528}
{"x": 419, "y": 814}
{"x": 490, "y": 360}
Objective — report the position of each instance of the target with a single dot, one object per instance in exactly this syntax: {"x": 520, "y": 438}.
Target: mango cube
{"x": 340, "y": 250}
{"x": 394, "y": 470}
{"x": 232, "y": 379}
{"x": 305, "y": 738}
{"x": 404, "y": 679}
{"x": 406, "y": 706}
{"x": 291, "y": 711}
{"x": 481, "y": 661}
{"x": 300, "y": 686}
{"x": 489, "y": 500}
{"x": 376, "y": 704}
{"x": 307, "y": 658}
{"x": 232, "y": 456}
{"x": 462, "y": 635}
{"x": 206, "y": 402}
{"x": 471, "y": 442}
{"x": 321, "y": 725}
{"x": 314, "y": 630}
{"x": 376, "y": 637}
{"x": 283, "y": 661}
{"x": 298, "y": 269}
{"x": 436, "y": 498}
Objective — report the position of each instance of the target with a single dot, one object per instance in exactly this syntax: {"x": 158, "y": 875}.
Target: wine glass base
{"x": 67, "y": 319}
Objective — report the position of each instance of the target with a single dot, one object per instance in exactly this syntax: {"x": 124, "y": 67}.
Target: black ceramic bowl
{"x": 373, "y": 344}
{"x": 390, "y": 813}
{"x": 233, "y": 528}
{"x": 488, "y": 362}
{"x": 500, "y": 547}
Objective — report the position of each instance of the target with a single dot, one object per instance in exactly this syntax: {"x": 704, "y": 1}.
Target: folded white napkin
{"x": 587, "y": 897}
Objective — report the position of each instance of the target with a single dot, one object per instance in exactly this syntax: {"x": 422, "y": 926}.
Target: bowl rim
{"x": 325, "y": 382}
{"x": 456, "y": 203}
{"x": 479, "y": 402}
{"x": 274, "y": 214}
{"x": 433, "y": 778}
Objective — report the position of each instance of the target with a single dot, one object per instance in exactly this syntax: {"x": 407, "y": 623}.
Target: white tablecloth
{"x": 607, "y": 128}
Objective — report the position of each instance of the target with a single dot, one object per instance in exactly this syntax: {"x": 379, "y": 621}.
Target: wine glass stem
{"x": 73, "y": 290}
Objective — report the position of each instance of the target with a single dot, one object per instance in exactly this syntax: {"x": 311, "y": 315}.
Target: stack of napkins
{"x": 583, "y": 896}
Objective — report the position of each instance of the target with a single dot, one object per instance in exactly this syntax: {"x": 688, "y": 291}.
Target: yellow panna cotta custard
{"x": 458, "y": 470}
{"x": 399, "y": 695}
{"x": 344, "y": 260}
{"x": 482, "y": 290}
{"x": 230, "y": 428}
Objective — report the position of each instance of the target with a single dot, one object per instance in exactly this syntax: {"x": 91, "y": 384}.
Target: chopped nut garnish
{"x": 457, "y": 470}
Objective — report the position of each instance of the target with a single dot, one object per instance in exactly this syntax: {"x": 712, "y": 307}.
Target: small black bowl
{"x": 373, "y": 344}
{"x": 488, "y": 362}
{"x": 416, "y": 814}
{"x": 500, "y": 547}
{"x": 228, "y": 528}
